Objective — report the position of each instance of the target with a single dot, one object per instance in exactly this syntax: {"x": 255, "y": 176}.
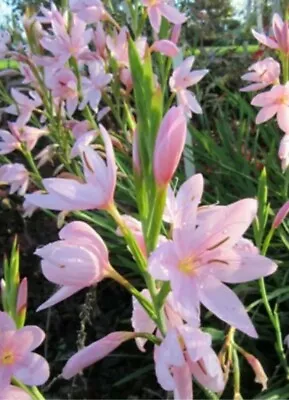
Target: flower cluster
{"x": 266, "y": 73}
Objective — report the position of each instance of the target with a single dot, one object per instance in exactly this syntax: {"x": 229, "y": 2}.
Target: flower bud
{"x": 169, "y": 145}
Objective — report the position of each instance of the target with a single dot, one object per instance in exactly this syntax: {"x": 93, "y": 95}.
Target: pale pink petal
{"x": 6, "y": 322}
{"x": 265, "y": 40}
{"x": 6, "y": 373}
{"x": 254, "y": 87}
{"x": 195, "y": 76}
{"x": 171, "y": 13}
{"x": 155, "y": 18}
{"x": 69, "y": 265}
{"x": 283, "y": 117}
{"x": 30, "y": 337}
{"x": 188, "y": 100}
{"x": 96, "y": 351}
{"x": 61, "y": 294}
{"x": 267, "y": 113}
{"x": 33, "y": 370}
{"x": 183, "y": 382}
{"x": 14, "y": 393}
{"x": 224, "y": 228}
{"x": 239, "y": 266}
{"x": 165, "y": 47}
{"x": 161, "y": 260}
{"x": 223, "y": 302}
{"x": 208, "y": 372}
{"x": 141, "y": 322}
{"x": 196, "y": 341}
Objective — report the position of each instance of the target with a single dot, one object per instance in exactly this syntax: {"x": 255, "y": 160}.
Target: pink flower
{"x": 199, "y": 258}
{"x": 280, "y": 39}
{"x": 12, "y": 140}
{"x": 97, "y": 192}
{"x": 24, "y": 106}
{"x": 14, "y": 393}
{"x": 160, "y": 8}
{"x": 181, "y": 79}
{"x": 64, "y": 45}
{"x": 89, "y": 11}
{"x": 94, "y": 85}
{"x": 284, "y": 152}
{"x": 15, "y": 175}
{"x": 78, "y": 260}
{"x": 63, "y": 85}
{"x": 276, "y": 101}
{"x": 178, "y": 206}
{"x": 5, "y": 38}
{"x": 184, "y": 352}
{"x": 16, "y": 354}
{"x": 169, "y": 145}
{"x": 262, "y": 73}
{"x": 94, "y": 352}
{"x": 165, "y": 47}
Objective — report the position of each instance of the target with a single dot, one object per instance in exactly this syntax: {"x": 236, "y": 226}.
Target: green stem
{"x": 32, "y": 391}
{"x": 28, "y": 156}
{"x": 236, "y": 370}
{"x": 142, "y": 265}
{"x": 273, "y": 316}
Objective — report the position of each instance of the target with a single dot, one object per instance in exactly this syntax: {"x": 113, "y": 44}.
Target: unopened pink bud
{"x": 22, "y": 297}
{"x": 169, "y": 145}
{"x": 281, "y": 215}
{"x": 261, "y": 376}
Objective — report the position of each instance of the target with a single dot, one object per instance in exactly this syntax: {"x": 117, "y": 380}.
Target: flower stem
{"x": 273, "y": 315}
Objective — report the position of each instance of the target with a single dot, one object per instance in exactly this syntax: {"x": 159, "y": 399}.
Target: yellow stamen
{"x": 7, "y": 358}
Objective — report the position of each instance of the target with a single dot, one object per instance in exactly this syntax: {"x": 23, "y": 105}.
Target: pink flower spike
{"x": 96, "y": 193}
{"x": 78, "y": 260}
{"x": 283, "y": 152}
{"x": 14, "y": 393}
{"x": 281, "y": 215}
{"x": 16, "y": 354}
{"x": 160, "y": 8}
{"x": 201, "y": 257}
{"x": 94, "y": 352}
{"x": 265, "y": 73}
{"x": 169, "y": 145}
{"x": 15, "y": 175}
{"x": 165, "y": 47}
{"x": 276, "y": 101}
